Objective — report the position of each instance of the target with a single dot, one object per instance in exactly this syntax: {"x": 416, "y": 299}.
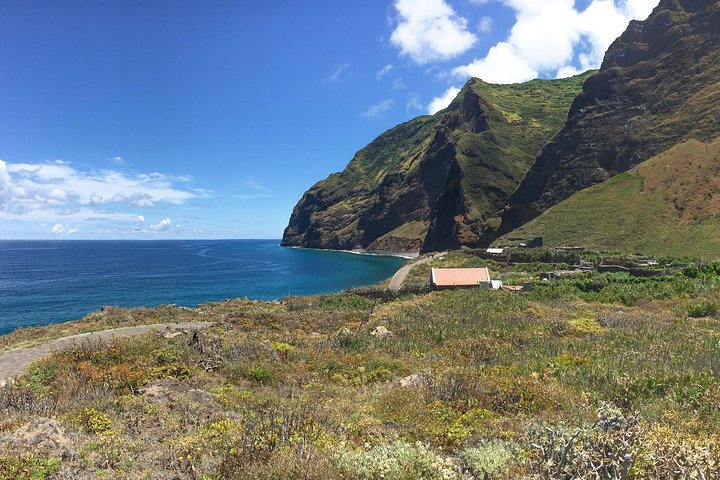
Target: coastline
{"x": 80, "y": 277}
{"x": 405, "y": 255}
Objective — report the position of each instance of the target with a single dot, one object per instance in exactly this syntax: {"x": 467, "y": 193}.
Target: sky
{"x": 130, "y": 119}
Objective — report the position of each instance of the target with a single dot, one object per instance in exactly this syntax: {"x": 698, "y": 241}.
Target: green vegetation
{"x": 595, "y": 370}
{"x": 635, "y": 108}
{"x": 665, "y": 206}
{"x": 387, "y": 197}
{"x": 520, "y": 119}
{"x": 28, "y": 468}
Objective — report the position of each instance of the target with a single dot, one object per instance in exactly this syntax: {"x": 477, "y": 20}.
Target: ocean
{"x": 44, "y": 282}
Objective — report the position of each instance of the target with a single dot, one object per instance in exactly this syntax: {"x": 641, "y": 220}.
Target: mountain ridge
{"x": 432, "y": 183}
{"x": 658, "y": 86}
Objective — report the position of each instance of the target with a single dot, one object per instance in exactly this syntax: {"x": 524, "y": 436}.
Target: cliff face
{"x": 432, "y": 183}
{"x": 659, "y": 85}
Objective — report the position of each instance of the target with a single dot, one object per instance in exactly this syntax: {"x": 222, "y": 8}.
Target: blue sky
{"x": 198, "y": 119}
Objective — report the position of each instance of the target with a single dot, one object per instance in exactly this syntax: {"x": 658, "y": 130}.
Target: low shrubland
{"x": 597, "y": 376}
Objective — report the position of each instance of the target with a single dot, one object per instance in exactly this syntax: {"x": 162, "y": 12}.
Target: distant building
{"x": 559, "y": 274}
{"x": 495, "y": 251}
{"x": 463, "y": 277}
{"x": 535, "y": 242}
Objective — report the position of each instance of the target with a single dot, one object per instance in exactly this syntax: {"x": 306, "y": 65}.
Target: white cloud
{"x": 443, "y": 100}
{"x": 413, "y": 103}
{"x": 380, "y": 108}
{"x": 341, "y": 73}
{"x": 254, "y": 189}
{"x": 383, "y": 71}
{"x": 253, "y": 183}
{"x": 118, "y": 160}
{"x": 164, "y": 225}
{"x": 552, "y": 38}
{"x": 430, "y": 30}
{"x": 63, "y": 230}
{"x": 485, "y": 25}
{"x": 58, "y": 193}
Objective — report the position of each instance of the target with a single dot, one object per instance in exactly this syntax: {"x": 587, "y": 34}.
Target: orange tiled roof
{"x": 450, "y": 277}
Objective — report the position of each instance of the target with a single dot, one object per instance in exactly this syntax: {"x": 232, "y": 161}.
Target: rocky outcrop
{"x": 42, "y": 436}
{"x": 659, "y": 85}
{"x": 432, "y": 183}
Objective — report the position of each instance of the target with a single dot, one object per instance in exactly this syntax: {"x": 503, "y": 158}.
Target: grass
{"x": 665, "y": 206}
{"x": 504, "y": 383}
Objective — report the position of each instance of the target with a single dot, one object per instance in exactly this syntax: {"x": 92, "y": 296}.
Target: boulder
{"x": 176, "y": 394}
{"x": 416, "y": 380}
{"x": 44, "y": 436}
{"x": 164, "y": 389}
{"x": 381, "y": 332}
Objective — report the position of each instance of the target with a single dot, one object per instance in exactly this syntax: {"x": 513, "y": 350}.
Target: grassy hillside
{"x": 668, "y": 205}
{"x": 521, "y": 118}
{"x": 602, "y": 371}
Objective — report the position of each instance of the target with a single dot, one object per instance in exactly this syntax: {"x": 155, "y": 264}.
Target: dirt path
{"x": 15, "y": 362}
{"x": 399, "y": 277}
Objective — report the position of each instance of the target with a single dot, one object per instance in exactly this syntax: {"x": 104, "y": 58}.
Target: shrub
{"x": 585, "y": 325}
{"x": 489, "y": 460}
{"x": 396, "y": 461}
{"x": 607, "y": 449}
{"x": 91, "y": 420}
{"x": 18, "y": 398}
{"x": 112, "y": 452}
{"x": 260, "y": 375}
{"x": 702, "y": 308}
{"x": 346, "y": 302}
{"x": 668, "y": 454}
{"x": 30, "y": 468}
{"x": 41, "y": 375}
{"x": 283, "y": 349}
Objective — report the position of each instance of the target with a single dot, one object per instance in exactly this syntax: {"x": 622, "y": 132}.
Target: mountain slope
{"x": 659, "y": 86}
{"x": 432, "y": 183}
{"x": 668, "y": 205}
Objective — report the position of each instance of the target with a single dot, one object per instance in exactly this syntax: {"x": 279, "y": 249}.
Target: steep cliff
{"x": 659, "y": 85}
{"x": 433, "y": 182}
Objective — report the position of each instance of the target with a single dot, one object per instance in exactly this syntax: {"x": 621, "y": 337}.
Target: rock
{"x": 204, "y": 400}
{"x": 165, "y": 389}
{"x": 176, "y": 393}
{"x": 44, "y": 436}
{"x": 416, "y": 380}
{"x": 172, "y": 334}
{"x": 381, "y": 332}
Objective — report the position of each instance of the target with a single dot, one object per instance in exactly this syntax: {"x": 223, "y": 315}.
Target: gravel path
{"x": 15, "y": 362}
{"x": 399, "y": 277}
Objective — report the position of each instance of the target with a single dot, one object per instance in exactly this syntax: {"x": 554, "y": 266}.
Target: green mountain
{"x": 433, "y": 182}
{"x": 668, "y": 205}
{"x": 659, "y": 86}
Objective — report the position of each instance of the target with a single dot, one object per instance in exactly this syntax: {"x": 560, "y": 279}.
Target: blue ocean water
{"x": 43, "y": 282}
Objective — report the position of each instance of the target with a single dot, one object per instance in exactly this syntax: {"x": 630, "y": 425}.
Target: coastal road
{"x": 399, "y": 277}
{"x": 15, "y": 362}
